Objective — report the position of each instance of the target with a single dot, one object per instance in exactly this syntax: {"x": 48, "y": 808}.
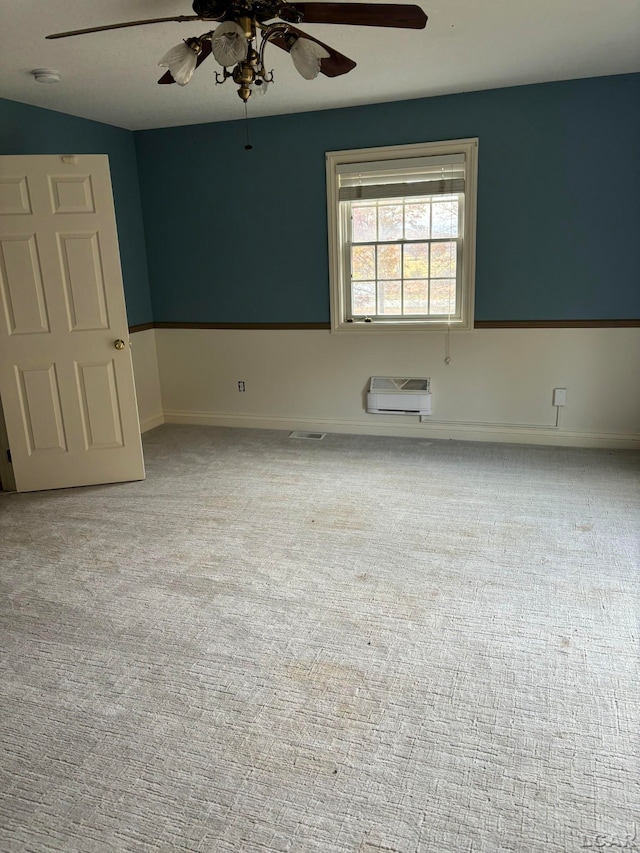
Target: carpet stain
{"x": 325, "y": 675}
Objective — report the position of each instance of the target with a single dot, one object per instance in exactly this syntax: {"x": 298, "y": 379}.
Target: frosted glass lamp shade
{"x": 306, "y": 55}
{"x": 259, "y": 87}
{"x": 229, "y": 44}
{"x": 181, "y": 62}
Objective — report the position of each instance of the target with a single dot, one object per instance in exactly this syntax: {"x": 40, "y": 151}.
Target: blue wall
{"x": 241, "y": 236}
{"x": 30, "y": 130}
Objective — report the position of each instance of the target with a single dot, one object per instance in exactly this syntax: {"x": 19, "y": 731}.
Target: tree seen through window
{"x": 404, "y": 256}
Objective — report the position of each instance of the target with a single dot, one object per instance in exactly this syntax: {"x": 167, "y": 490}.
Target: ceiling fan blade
{"x": 363, "y": 14}
{"x": 125, "y": 24}
{"x": 334, "y": 66}
{"x": 204, "y": 53}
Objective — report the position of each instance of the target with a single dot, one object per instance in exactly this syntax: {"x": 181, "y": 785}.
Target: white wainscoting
{"x": 497, "y": 387}
{"x": 145, "y": 369}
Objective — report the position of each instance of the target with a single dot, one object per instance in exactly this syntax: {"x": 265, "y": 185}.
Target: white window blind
{"x": 416, "y": 176}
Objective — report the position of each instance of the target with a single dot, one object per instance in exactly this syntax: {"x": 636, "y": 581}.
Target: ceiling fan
{"x": 234, "y": 42}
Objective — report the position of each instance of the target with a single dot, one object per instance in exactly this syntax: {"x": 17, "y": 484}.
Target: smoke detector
{"x": 46, "y": 75}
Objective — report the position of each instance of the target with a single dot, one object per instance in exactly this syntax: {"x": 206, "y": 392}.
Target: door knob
{"x": 119, "y": 344}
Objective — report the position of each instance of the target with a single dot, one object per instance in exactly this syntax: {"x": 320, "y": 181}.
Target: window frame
{"x": 340, "y": 247}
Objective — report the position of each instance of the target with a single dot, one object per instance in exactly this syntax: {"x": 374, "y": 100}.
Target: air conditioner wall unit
{"x": 404, "y": 395}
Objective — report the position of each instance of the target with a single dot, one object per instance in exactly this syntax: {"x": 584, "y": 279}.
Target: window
{"x": 402, "y": 236}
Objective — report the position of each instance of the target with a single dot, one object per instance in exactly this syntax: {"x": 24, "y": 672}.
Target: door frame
{"x": 7, "y": 480}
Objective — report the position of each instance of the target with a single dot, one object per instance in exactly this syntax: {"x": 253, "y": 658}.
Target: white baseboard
{"x": 151, "y": 423}
{"x": 381, "y": 425}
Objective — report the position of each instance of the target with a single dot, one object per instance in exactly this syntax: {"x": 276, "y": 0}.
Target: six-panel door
{"x": 68, "y": 393}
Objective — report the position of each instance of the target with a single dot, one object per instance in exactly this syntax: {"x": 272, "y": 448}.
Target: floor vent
{"x": 314, "y": 436}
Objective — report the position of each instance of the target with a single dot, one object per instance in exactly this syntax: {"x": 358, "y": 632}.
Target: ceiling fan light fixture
{"x": 246, "y": 27}
{"x": 229, "y": 44}
{"x": 306, "y": 56}
{"x": 181, "y": 60}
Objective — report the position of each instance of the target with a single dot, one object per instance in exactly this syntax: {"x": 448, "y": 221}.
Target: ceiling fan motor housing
{"x": 210, "y": 8}
{"x": 262, "y": 10}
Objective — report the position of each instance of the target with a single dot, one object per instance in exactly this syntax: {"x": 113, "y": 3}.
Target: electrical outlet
{"x": 559, "y": 396}
{"x": 241, "y": 386}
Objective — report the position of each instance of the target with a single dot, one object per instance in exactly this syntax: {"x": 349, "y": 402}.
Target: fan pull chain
{"x": 248, "y": 145}
{"x": 447, "y": 344}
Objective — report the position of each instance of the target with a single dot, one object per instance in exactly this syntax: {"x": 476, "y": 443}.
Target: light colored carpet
{"x": 371, "y": 645}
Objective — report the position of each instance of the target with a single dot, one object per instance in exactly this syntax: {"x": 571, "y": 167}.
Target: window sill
{"x": 380, "y": 327}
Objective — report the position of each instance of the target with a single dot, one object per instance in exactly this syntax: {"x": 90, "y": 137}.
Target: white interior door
{"x": 66, "y": 386}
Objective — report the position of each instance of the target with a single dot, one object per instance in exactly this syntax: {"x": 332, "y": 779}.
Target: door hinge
{"x": 9, "y": 457}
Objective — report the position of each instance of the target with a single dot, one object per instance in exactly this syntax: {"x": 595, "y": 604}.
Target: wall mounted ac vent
{"x": 314, "y": 436}
{"x": 403, "y": 395}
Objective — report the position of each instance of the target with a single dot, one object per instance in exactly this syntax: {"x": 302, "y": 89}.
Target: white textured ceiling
{"x": 467, "y": 45}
